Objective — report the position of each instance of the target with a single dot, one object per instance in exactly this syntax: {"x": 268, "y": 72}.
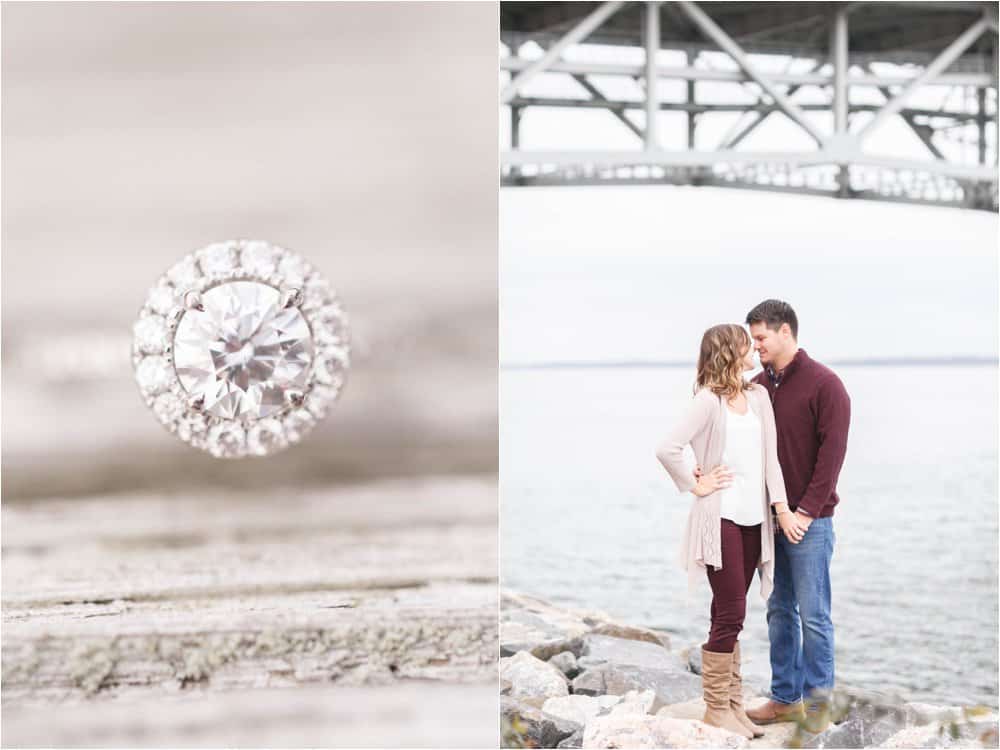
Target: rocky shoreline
{"x": 574, "y": 678}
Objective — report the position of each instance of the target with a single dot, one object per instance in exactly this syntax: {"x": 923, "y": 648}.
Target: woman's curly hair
{"x": 720, "y": 362}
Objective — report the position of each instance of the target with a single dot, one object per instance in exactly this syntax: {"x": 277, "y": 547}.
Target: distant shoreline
{"x": 668, "y": 364}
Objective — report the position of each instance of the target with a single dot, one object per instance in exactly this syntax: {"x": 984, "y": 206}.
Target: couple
{"x": 768, "y": 455}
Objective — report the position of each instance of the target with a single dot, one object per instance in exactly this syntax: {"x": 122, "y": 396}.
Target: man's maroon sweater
{"x": 812, "y": 411}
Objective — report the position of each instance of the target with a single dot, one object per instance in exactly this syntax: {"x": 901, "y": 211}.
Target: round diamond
{"x": 266, "y": 436}
{"x": 151, "y": 334}
{"x": 227, "y": 440}
{"x": 259, "y": 258}
{"x": 153, "y": 374}
{"x": 244, "y": 367}
{"x": 244, "y": 351}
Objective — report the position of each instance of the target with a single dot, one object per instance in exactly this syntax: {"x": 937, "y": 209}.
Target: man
{"x": 812, "y": 412}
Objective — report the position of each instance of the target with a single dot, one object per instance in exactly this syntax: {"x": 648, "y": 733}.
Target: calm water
{"x": 589, "y": 518}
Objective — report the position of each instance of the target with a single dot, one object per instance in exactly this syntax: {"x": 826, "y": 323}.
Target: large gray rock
{"x": 575, "y": 740}
{"x": 604, "y": 649}
{"x": 579, "y": 708}
{"x": 669, "y": 685}
{"x": 531, "y": 624}
{"x": 866, "y": 725}
{"x": 633, "y": 703}
{"x": 521, "y": 630}
{"x": 528, "y": 726}
{"x": 656, "y": 732}
{"x": 565, "y": 662}
{"x": 532, "y": 680}
{"x": 632, "y": 632}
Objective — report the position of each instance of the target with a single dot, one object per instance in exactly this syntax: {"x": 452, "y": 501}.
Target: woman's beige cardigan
{"x": 704, "y": 427}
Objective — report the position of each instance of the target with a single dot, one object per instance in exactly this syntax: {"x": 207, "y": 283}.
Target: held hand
{"x": 804, "y": 520}
{"x": 717, "y": 479}
{"x": 794, "y": 525}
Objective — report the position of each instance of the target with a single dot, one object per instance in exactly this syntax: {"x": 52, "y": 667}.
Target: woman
{"x": 730, "y": 532}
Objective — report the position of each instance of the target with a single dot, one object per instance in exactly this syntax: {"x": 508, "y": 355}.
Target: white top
{"x": 742, "y": 502}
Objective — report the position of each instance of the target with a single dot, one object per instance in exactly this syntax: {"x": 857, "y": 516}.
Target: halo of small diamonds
{"x": 302, "y": 360}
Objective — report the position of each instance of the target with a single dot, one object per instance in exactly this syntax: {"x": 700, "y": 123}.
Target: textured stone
{"x": 533, "y": 681}
{"x": 633, "y": 633}
{"x": 603, "y": 649}
{"x": 565, "y": 662}
{"x": 244, "y": 352}
{"x": 670, "y": 686}
{"x": 579, "y": 708}
{"x": 532, "y": 727}
{"x": 634, "y": 702}
{"x": 575, "y": 740}
{"x": 656, "y": 732}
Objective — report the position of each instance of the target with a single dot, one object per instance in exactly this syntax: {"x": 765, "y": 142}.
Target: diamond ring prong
{"x": 292, "y": 298}
{"x": 192, "y": 301}
{"x": 254, "y": 373}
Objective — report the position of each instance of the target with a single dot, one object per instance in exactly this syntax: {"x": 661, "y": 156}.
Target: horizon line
{"x": 959, "y": 361}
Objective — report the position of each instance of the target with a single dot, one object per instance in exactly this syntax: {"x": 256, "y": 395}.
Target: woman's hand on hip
{"x": 717, "y": 479}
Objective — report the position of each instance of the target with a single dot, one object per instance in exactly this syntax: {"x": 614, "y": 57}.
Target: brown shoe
{"x": 736, "y": 695}
{"x": 772, "y": 712}
{"x": 716, "y": 672}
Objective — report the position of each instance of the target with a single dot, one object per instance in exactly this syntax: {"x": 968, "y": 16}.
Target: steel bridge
{"x": 838, "y": 70}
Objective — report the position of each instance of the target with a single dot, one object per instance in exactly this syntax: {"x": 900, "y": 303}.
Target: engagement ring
{"x": 240, "y": 348}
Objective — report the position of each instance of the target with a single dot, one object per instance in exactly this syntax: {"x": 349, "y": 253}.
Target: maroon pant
{"x": 740, "y": 554}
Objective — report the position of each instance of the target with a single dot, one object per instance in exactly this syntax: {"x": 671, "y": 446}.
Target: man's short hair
{"x": 772, "y": 313}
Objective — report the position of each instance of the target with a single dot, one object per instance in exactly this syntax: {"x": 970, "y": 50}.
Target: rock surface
{"x": 527, "y": 726}
{"x": 656, "y": 732}
{"x": 565, "y": 662}
{"x": 532, "y": 680}
{"x": 634, "y": 692}
{"x": 579, "y": 708}
{"x": 603, "y": 649}
{"x": 670, "y": 686}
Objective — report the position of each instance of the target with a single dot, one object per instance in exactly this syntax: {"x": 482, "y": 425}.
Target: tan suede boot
{"x": 736, "y": 696}
{"x": 716, "y": 672}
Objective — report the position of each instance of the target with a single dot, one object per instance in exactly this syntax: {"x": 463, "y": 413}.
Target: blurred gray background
{"x": 361, "y": 135}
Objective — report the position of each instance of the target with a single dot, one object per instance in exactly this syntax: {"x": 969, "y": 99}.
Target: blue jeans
{"x": 798, "y": 614}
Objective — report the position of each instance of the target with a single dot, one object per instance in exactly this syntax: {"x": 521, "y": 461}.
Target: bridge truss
{"x": 839, "y": 71}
